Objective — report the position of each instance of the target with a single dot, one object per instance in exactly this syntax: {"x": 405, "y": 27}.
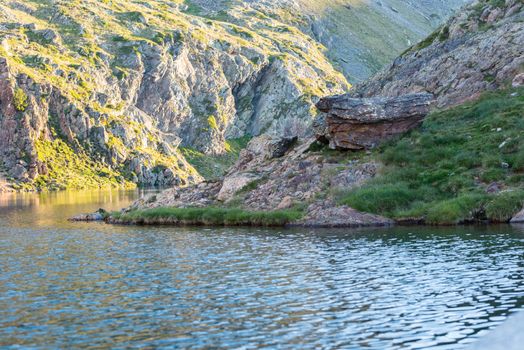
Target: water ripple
{"x": 96, "y": 286}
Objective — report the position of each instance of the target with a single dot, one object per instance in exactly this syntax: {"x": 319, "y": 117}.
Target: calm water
{"x": 77, "y": 285}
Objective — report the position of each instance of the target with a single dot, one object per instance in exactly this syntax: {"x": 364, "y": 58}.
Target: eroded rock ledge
{"x": 363, "y": 123}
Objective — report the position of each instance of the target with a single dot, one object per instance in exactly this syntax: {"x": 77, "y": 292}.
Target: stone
{"x": 494, "y": 187}
{"x": 233, "y": 184}
{"x": 99, "y": 215}
{"x": 286, "y": 203}
{"x": 278, "y": 148}
{"x": 518, "y": 80}
{"x": 518, "y": 218}
{"x": 19, "y": 172}
{"x": 363, "y": 123}
{"x": 327, "y": 214}
{"x": 507, "y": 336}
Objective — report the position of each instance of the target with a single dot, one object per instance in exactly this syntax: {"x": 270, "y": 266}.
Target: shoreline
{"x": 187, "y": 217}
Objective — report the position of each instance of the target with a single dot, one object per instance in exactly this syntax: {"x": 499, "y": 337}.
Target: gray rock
{"x": 508, "y": 336}
{"x": 518, "y": 218}
{"x": 327, "y": 214}
{"x": 518, "y": 80}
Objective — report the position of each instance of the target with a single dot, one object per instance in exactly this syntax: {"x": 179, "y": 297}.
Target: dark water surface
{"x": 78, "y": 285}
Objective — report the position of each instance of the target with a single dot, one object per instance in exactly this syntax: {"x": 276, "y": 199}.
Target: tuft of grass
{"x": 207, "y": 216}
{"x": 381, "y": 198}
{"x": 504, "y": 206}
{"x": 437, "y": 172}
{"x": 462, "y": 209}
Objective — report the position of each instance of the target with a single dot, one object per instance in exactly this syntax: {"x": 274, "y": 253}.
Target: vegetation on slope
{"x": 465, "y": 164}
{"x": 215, "y": 166}
{"x": 67, "y": 169}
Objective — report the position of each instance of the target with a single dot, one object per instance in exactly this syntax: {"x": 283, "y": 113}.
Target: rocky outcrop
{"x": 479, "y": 49}
{"x": 328, "y": 214}
{"x": 263, "y": 180}
{"x": 128, "y": 94}
{"x": 378, "y": 31}
{"x": 363, "y": 123}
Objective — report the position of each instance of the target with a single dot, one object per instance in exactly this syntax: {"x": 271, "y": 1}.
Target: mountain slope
{"x": 105, "y": 92}
{"x": 361, "y": 36}
{"x": 480, "y": 49}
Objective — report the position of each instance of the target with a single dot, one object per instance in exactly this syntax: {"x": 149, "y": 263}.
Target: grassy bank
{"x": 442, "y": 172}
{"x": 206, "y": 216}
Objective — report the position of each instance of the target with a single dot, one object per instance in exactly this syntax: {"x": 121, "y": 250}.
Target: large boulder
{"x": 363, "y": 123}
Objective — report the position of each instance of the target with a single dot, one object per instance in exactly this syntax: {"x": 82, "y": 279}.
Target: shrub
{"x": 212, "y": 122}
{"x": 20, "y": 100}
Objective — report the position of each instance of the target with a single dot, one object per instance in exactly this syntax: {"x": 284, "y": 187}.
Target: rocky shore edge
{"x": 184, "y": 217}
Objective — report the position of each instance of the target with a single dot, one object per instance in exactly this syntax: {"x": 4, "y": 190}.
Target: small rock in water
{"x": 96, "y": 216}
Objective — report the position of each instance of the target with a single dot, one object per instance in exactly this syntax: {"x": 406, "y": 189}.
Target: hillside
{"x": 360, "y": 36}
{"x": 435, "y": 138}
{"x": 109, "y": 92}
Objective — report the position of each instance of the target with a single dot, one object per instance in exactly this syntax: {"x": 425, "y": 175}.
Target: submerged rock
{"x": 363, "y": 123}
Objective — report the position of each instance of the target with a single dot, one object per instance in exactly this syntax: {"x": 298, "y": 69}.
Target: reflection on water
{"x": 70, "y": 285}
{"x": 52, "y": 208}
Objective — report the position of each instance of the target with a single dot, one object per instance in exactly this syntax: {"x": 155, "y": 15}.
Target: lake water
{"x": 91, "y": 285}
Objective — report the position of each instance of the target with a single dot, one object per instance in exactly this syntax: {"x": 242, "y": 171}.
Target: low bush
{"x": 462, "y": 209}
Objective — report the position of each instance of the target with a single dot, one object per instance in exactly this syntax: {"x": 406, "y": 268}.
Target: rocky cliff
{"x": 480, "y": 49}
{"x": 106, "y": 92}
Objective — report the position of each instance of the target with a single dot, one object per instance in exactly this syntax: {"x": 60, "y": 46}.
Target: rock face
{"x": 124, "y": 84}
{"x": 479, "y": 49}
{"x": 362, "y": 123}
{"x": 362, "y": 37}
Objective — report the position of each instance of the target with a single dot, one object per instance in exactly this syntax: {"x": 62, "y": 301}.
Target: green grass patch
{"x": 73, "y": 169}
{"x": 20, "y": 100}
{"x": 504, "y": 206}
{"x": 215, "y": 166}
{"x": 208, "y": 217}
{"x": 441, "y": 171}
